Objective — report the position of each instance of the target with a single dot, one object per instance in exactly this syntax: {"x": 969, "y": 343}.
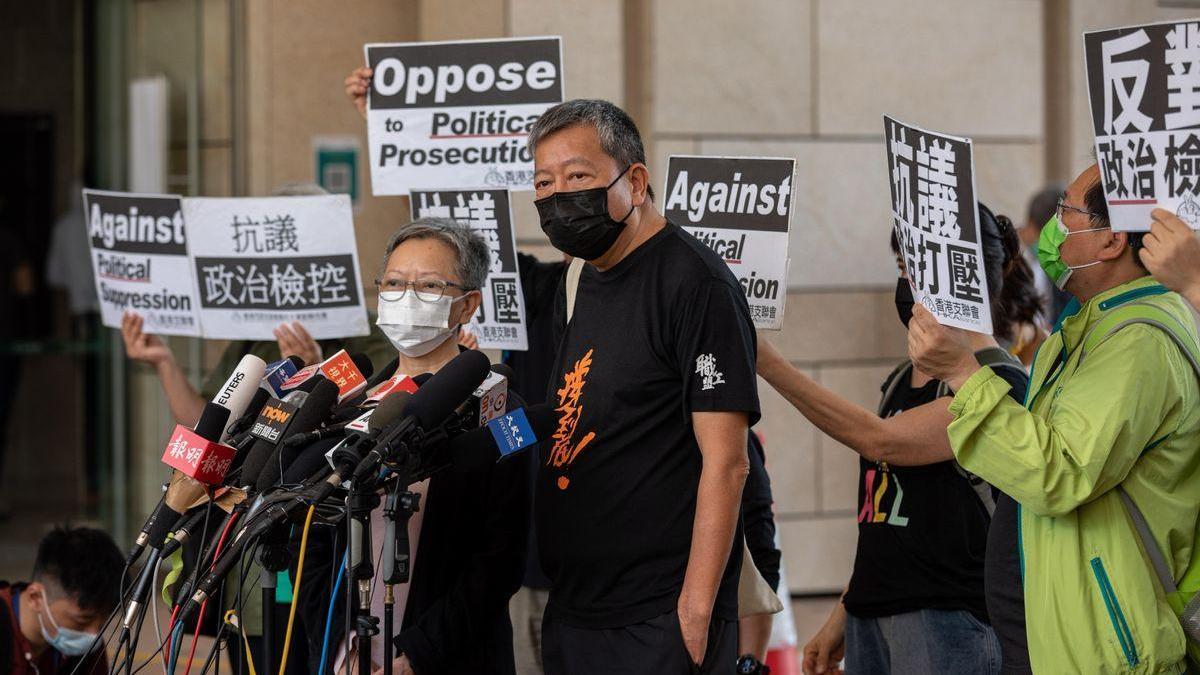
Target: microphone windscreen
{"x": 315, "y": 410}
{"x": 296, "y": 361}
{"x": 256, "y": 404}
{"x": 237, "y": 391}
{"x": 212, "y": 421}
{"x": 422, "y": 378}
{"x": 309, "y": 384}
{"x": 389, "y": 410}
{"x": 480, "y": 448}
{"x": 448, "y": 388}
{"x": 503, "y": 369}
{"x": 363, "y": 363}
{"x": 384, "y": 373}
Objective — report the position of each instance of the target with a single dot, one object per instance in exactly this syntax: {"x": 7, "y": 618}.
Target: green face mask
{"x": 1049, "y": 251}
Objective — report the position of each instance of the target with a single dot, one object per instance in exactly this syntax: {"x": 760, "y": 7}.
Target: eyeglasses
{"x": 427, "y": 290}
{"x": 1063, "y": 206}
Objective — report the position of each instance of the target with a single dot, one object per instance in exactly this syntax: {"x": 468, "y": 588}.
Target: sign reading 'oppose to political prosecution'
{"x": 741, "y": 208}
{"x": 457, "y": 113}
{"x": 500, "y": 322}
{"x": 262, "y": 261}
{"x": 140, "y": 260}
{"x": 1144, "y": 87}
{"x": 936, "y": 219}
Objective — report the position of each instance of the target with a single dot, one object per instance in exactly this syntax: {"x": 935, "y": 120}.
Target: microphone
{"x": 237, "y": 391}
{"x": 348, "y": 372}
{"x": 279, "y": 372}
{"x": 506, "y": 435}
{"x": 241, "y": 424}
{"x": 389, "y": 409}
{"x": 384, "y": 373}
{"x": 397, "y": 382}
{"x": 179, "y": 453}
{"x": 199, "y": 461}
{"x": 426, "y": 411}
{"x": 489, "y": 400}
{"x": 312, "y": 413}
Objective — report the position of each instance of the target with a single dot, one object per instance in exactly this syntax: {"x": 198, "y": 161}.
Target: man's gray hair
{"x": 299, "y": 189}
{"x": 619, "y": 136}
{"x": 474, "y": 256}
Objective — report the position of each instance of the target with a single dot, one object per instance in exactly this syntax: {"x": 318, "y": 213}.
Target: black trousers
{"x": 653, "y": 647}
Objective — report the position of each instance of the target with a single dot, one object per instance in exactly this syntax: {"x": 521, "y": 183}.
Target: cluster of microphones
{"x": 254, "y": 453}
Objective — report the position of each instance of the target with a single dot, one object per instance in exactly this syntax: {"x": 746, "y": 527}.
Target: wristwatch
{"x": 748, "y": 665}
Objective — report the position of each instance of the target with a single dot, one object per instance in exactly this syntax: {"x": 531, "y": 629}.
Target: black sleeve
{"x": 716, "y": 348}
{"x": 758, "y": 520}
{"x": 450, "y": 626}
{"x": 1017, "y": 378}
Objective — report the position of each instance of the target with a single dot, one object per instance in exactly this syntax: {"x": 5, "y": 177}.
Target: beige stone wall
{"x": 809, "y": 79}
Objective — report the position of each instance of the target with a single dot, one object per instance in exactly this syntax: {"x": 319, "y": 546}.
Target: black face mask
{"x": 904, "y": 301}
{"x": 578, "y": 223}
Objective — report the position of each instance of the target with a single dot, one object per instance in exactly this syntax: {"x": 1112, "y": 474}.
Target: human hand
{"x": 358, "y": 82}
{"x": 294, "y": 339}
{"x": 941, "y": 352}
{"x": 142, "y": 346}
{"x": 1172, "y": 254}
{"x": 827, "y": 648}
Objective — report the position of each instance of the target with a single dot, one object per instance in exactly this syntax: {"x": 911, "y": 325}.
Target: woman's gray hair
{"x": 474, "y": 256}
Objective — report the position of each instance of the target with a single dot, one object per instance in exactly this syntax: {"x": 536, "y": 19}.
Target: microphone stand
{"x": 359, "y": 504}
{"x": 273, "y": 557}
{"x": 397, "y": 511}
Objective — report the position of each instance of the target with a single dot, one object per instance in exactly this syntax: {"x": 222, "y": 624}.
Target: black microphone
{"x": 314, "y": 411}
{"x": 363, "y": 363}
{"x": 384, "y": 373}
{"x": 388, "y": 410}
{"x": 509, "y": 433}
{"x": 426, "y": 411}
{"x": 160, "y": 521}
{"x": 255, "y": 406}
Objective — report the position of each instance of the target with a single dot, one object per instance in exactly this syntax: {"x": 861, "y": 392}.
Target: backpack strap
{"x": 1151, "y": 315}
{"x": 889, "y": 385}
{"x": 574, "y": 271}
{"x": 988, "y": 357}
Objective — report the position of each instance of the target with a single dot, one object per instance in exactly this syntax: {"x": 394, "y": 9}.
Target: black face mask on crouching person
{"x": 904, "y": 301}
{"x": 578, "y": 223}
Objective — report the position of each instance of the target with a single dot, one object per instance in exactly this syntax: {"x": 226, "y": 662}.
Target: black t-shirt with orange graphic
{"x": 664, "y": 333}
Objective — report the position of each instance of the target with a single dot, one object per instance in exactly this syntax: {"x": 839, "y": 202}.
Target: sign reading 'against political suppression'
{"x": 741, "y": 208}
{"x": 457, "y": 113}
{"x": 140, "y": 260}
{"x": 1144, "y": 87}
{"x": 263, "y": 261}
{"x": 500, "y": 322}
{"x": 936, "y": 218}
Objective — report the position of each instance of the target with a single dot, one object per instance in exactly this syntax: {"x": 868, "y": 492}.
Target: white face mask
{"x": 413, "y": 326}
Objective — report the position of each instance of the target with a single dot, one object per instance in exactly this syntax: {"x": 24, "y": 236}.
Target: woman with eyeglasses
{"x": 468, "y": 538}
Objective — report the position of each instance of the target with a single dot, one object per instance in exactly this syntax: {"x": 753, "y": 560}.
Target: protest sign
{"x": 457, "y": 113}
{"x": 262, "y": 261}
{"x": 500, "y": 322}
{"x": 741, "y": 208}
{"x": 936, "y": 219}
{"x": 140, "y": 260}
{"x": 1144, "y": 89}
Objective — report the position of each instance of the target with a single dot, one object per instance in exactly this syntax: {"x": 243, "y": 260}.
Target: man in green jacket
{"x": 1113, "y": 408}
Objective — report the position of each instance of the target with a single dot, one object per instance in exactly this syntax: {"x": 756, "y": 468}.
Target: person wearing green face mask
{"x": 1108, "y": 433}
{"x": 50, "y": 624}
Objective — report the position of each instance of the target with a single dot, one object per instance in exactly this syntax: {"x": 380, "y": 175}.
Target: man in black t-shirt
{"x": 639, "y": 489}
